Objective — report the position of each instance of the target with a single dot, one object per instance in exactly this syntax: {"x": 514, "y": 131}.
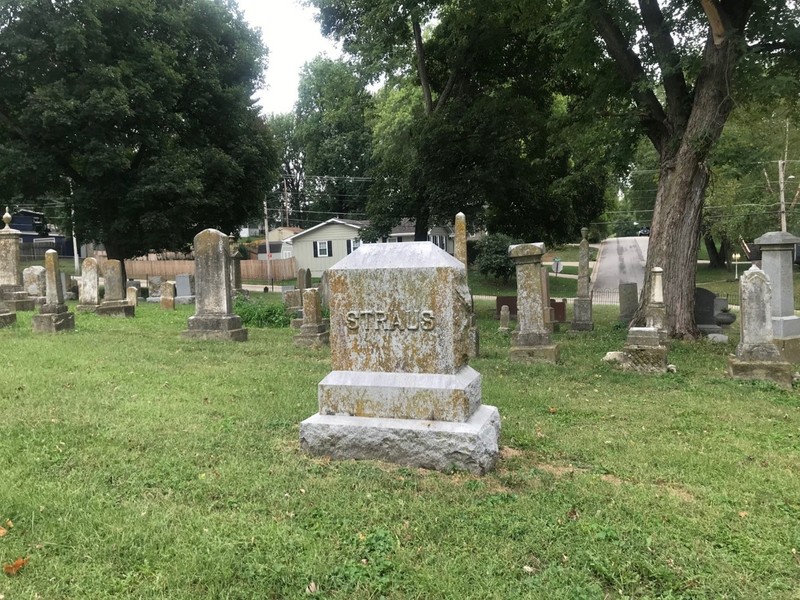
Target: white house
{"x": 322, "y": 246}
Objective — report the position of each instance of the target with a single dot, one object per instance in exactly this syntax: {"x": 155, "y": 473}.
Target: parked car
{"x": 644, "y": 231}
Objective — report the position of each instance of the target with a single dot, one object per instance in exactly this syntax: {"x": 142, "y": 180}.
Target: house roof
{"x": 357, "y": 225}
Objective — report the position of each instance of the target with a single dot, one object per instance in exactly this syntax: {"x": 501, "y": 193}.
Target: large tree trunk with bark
{"x": 675, "y": 231}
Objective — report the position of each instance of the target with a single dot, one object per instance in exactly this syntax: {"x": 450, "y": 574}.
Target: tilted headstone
{"x": 115, "y": 302}
{"x": 88, "y": 291}
{"x": 314, "y": 332}
{"x": 628, "y": 301}
{"x": 757, "y": 357}
{"x": 11, "y": 291}
{"x": 184, "y": 289}
{"x": 401, "y": 389}
{"x": 34, "y": 281}
{"x": 704, "y": 311}
{"x": 53, "y": 315}
{"x": 214, "y": 318}
{"x": 533, "y": 339}
{"x": 168, "y": 295}
{"x": 582, "y": 307}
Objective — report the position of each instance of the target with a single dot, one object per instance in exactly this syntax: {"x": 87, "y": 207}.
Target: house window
{"x": 439, "y": 240}
{"x": 353, "y": 244}
{"x": 323, "y": 249}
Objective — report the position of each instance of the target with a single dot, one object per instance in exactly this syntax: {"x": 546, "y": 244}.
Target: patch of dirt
{"x": 559, "y": 470}
{"x": 680, "y": 493}
{"x": 507, "y": 452}
{"x": 609, "y": 478}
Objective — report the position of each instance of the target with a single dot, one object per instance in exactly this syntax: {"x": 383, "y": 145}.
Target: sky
{"x": 293, "y": 38}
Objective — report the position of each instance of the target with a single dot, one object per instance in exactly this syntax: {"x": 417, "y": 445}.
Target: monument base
{"x": 185, "y": 299}
{"x": 549, "y": 353}
{"x": 7, "y": 319}
{"x": 86, "y": 308}
{"x": 216, "y": 327}
{"x": 116, "y": 308}
{"x": 645, "y": 359}
{"x": 439, "y": 445}
{"x": 779, "y": 373}
{"x": 153, "y": 299}
{"x": 21, "y": 304}
{"x": 312, "y": 340}
{"x": 420, "y": 396}
{"x": 53, "y": 322}
{"x": 580, "y": 326}
{"x": 789, "y": 349}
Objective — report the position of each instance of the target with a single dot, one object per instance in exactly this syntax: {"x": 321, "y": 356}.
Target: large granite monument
{"x": 213, "y": 318}
{"x": 401, "y": 389}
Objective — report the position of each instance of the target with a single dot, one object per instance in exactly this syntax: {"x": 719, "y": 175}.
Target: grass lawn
{"x": 140, "y": 465}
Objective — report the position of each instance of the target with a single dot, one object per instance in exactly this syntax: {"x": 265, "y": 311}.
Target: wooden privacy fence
{"x": 282, "y": 269}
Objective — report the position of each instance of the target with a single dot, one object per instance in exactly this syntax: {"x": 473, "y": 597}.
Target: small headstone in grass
{"x": 168, "y": 292}
{"x": 628, "y": 301}
{"x": 314, "y": 332}
{"x": 777, "y": 260}
{"x": 154, "y": 287}
{"x": 115, "y": 302}
{"x": 505, "y": 317}
{"x": 88, "y": 291}
{"x": 401, "y": 389}
{"x": 705, "y": 310}
{"x": 11, "y": 290}
{"x": 34, "y": 281}
{"x": 533, "y": 339}
{"x": 214, "y": 318}
{"x": 582, "y": 307}
{"x": 132, "y": 295}
{"x": 184, "y": 289}
{"x": 293, "y": 301}
{"x": 53, "y": 315}
{"x": 757, "y": 356}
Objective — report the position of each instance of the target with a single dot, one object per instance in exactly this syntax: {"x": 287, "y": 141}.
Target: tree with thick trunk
{"x": 683, "y": 121}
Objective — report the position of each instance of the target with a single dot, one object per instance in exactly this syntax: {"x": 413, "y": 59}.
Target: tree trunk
{"x": 421, "y": 225}
{"x": 114, "y": 252}
{"x": 716, "y": 258}
{"x": 675, "y": 231}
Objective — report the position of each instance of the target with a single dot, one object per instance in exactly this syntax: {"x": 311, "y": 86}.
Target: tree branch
{"x": 448, "y": 88}
{"x": 423, "y": 71}
{"x": 654, "y": 118}
{"x": 677, "y": 92}
{"x": 715, "y": 20}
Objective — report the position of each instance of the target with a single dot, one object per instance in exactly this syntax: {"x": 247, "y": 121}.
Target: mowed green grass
{"x": 136, "y": 464}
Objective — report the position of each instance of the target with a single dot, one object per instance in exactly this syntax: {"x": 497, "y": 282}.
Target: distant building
{"x": 37, "y": 236}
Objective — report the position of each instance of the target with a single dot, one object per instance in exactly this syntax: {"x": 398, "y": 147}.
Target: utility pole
{"x": 266, "y": 240}
{"x": 782, "y": 178}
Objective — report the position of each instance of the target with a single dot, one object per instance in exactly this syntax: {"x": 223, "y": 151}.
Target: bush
{"x": 493, "y": 260}
{"x": 260, "y": 313}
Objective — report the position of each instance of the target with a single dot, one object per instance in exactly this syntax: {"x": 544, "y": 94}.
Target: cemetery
{"x": 192, "y": 463}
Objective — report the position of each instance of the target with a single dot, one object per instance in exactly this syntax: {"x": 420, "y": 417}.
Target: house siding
{"x": 303, "y": 247}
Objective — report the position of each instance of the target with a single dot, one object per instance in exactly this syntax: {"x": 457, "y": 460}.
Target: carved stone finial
{"x": 7, "y": 219}
{"x": 584, "y": 232}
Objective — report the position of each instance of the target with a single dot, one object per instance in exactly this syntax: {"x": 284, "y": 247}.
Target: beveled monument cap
{"x": 777, "y": 238}
{"x": 524, "y": 250}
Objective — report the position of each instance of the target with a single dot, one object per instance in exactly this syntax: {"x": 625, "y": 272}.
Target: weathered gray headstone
{"x": 777, "y": 259}
{"x": 168, "y": 295}
{"x": 628, "y": 301}
{"x": 757, "y": 357}
{"x": 656, "y": 313}
{"x": 11, "y": 291}
{"x": 34, "y": 281}
{"x": 582, "y": 307}
{"x": 154, "y": 288}
{"x": 115, "y": 302}
{"x": 214, "y": 318}
{"x": 314, "y": 332}
{"x": 401, "y": 389}
{"x": 88, "y": 295}
{"x": 53, "y": 315}
{"x": 533, "y": 339}
{"x": 505, "y": 318}
{"x": 184, "y": 289}
{"x": 704, "y": 311}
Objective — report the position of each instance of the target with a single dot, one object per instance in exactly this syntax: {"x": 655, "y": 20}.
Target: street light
{"x": 736, "y": 256}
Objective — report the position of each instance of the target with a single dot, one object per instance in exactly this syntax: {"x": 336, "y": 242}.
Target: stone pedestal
{"x": 116, "y": 308}
{"x": 401, "y": 389}
{"x": 777, "y": 260}
{"x": 532, "y": 341}
{"x": 642, "y": 352}
{"x": 53, "y": 316}
{"x": 214, "y": 318}
{"x": 314, "y": 332}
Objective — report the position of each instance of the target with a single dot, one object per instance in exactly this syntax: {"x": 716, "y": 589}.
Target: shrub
{"x": 260, "y": 313}
{"x": 493, "y": 260}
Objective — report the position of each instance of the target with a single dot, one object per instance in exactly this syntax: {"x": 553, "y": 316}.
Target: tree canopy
{"x": 142, "y": 108}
